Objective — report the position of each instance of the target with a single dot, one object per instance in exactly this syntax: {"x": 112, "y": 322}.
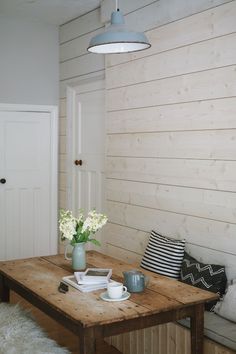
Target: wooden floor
{"x": 60, "y": 334}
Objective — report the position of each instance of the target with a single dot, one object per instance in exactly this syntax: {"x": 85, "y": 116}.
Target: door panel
{"x": 88, "y": 127}
{"x": 25, "y": 157}
{"x": 89, "y": 142}
{"x": 25, "y": 154}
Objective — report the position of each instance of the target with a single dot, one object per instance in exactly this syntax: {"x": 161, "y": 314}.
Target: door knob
{"x": 78, "y": 162}
{"x": 3, "y": 180}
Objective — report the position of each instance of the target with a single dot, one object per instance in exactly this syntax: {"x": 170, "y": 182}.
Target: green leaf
{"x": 73, "y": 242}
{"x": 95, "y": 242}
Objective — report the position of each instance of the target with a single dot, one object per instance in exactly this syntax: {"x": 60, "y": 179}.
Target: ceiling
{"x": 54, "y": 12}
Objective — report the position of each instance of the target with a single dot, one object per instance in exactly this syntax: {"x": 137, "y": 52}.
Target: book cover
{"x": 93, "y": 276}
{"x": 71, "y": 280}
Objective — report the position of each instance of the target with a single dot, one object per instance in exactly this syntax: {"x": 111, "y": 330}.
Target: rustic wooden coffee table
{"x": 85, "y": 314}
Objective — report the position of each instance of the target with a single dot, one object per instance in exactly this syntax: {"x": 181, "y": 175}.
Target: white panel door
{"x": 25, "y": 158}
{"x": 88, "y": 132}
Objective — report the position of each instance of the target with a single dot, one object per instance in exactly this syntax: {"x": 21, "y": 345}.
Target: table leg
{"x": 4, "y": 290}
{"x": 87, "y": 344}
{"x": 197, "y": 329}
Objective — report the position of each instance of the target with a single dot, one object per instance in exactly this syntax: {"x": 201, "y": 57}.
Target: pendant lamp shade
{"x": 117, "y": 38}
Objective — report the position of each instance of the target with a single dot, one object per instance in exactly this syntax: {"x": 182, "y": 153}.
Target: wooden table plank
{"x": 42, "y": 278}
{"x": 167, "y": 287}
{"x": 164, "y": 300}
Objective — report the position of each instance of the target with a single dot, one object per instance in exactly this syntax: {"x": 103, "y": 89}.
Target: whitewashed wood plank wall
{"x": 171, "y": 162}
{"x": 171, "y": 137}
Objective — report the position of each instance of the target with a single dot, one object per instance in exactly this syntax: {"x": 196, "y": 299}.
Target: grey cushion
{"x": 226, "y": 308}
{"x": 217, "y": 328}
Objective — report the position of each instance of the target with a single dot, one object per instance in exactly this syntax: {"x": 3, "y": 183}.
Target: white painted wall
{"x": 29, "y": 68}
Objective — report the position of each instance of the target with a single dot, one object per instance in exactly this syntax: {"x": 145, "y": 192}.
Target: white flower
{"x": 67, "y": 224}
{"x": 80, "y": 218}
{"x": 94, "y": 222}
{"x": 79, "y": 230}
{"x": 68, "y": 229}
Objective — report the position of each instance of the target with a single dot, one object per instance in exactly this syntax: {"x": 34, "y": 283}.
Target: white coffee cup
{"x": 116, "y": 290}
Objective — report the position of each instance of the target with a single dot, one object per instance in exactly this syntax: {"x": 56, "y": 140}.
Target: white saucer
{"x": 105, "y": 297}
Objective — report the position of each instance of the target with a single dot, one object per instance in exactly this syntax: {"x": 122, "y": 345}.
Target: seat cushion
{"x": 163, "y": 255}
{"x": 217, "y": 328}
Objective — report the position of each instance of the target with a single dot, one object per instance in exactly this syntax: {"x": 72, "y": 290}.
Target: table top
{"x": 42, "y": 275}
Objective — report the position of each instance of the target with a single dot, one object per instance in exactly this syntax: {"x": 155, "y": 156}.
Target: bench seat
{"x": 217, "y": 328}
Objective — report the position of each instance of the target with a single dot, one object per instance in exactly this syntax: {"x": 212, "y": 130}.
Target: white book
{"x": 71, "y": 280}
{"x": 93, "y": 276}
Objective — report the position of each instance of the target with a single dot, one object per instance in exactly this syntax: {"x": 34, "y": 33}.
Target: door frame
{"x": 53, "y": 111}
{"x": 71, "y": 92}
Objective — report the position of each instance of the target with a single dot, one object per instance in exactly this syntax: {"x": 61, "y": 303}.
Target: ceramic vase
{"x": 78, "y": 257}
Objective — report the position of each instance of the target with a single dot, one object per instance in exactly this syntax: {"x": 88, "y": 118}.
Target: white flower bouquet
{"x": 78, "y": 230}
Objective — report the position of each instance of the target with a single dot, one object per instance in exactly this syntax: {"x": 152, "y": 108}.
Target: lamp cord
{"x": 117, "y": 5}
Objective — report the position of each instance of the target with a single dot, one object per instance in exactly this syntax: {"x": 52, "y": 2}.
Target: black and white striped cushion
{"x": 163, "y": 255}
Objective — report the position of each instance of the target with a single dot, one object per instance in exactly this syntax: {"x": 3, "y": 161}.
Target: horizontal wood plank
{"x": 124, "y": 254}
{"x": 201, "y": 115}
{"x": 211, "y": 84}
{"x": 80, "y": 26}
{"x": 132, "y": 240}
{"x": 215, "y": 205}
{"x": 81, "y": 66}
{"x": 209, "y": 54}
{"x": 212, "y": 235}
{"x": 218, "y": 144}
{"x": 76, "y": 47}
{"x": 215, "y": 175}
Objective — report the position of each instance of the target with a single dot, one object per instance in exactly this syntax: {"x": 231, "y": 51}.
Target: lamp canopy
{"x": 117, "y": 38}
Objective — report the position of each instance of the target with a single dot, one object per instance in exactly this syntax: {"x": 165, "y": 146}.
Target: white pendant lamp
{"x": 117, "y": 38}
